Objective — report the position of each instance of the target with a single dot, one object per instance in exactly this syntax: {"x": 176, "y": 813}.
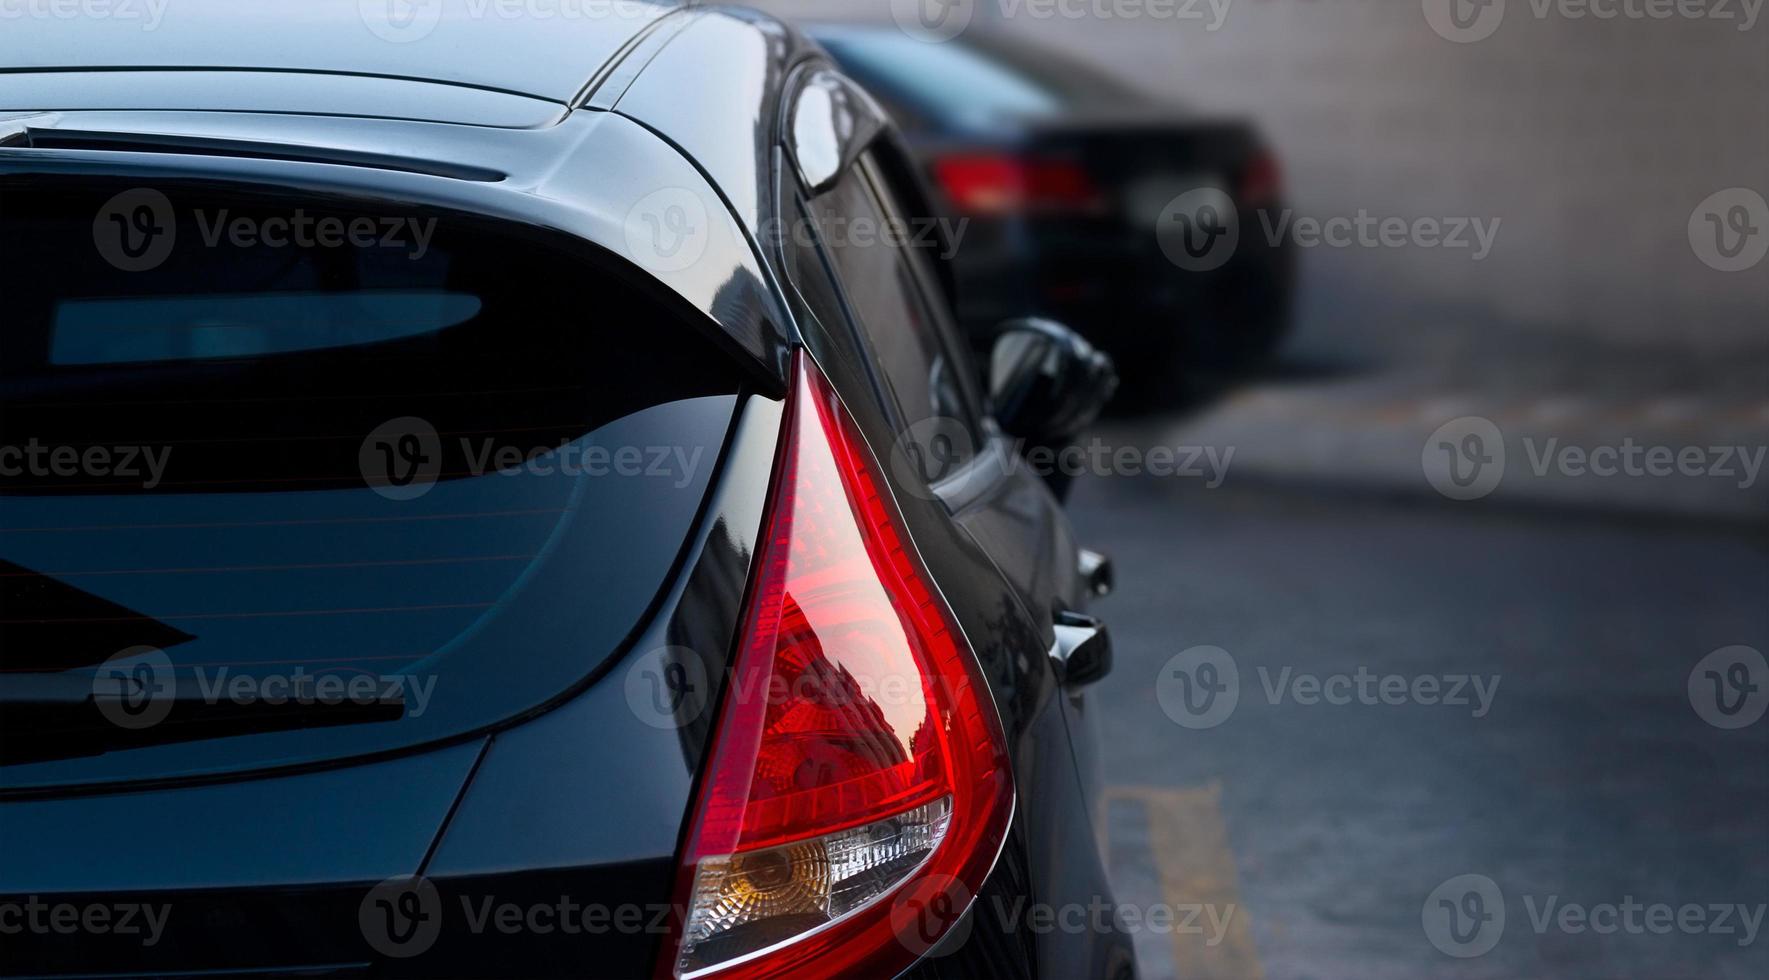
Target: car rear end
{"x": 332, "y": 516}
{"x": 411, "y": 570}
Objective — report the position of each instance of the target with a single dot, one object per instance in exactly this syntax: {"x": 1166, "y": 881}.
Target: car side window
{"x": 909, "y": 335}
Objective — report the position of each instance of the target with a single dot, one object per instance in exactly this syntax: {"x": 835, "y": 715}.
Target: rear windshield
{"x": 283, "y": 480}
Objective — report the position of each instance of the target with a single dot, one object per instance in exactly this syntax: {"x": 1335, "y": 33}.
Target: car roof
{"x": 486, "y": 44}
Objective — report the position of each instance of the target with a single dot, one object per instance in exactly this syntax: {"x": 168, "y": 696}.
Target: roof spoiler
{"x": 35, "y": 132}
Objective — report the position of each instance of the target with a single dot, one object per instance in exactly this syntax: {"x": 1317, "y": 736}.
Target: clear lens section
{"x": 747, "y": 902}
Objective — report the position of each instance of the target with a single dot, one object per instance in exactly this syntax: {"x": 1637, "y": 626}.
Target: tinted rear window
{"x": 288, "y": 442}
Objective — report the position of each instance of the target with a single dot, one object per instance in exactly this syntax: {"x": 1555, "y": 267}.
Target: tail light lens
{"x": 1261, "y": 180}
{"x": 989, "y": 184}
{"x": 858, "y": 752}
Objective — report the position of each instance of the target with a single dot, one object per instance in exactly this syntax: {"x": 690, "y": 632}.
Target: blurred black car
{"x": 514, "y": 588}
{"x": 1077, "y": 191}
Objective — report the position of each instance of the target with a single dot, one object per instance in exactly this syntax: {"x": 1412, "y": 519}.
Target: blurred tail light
{"x": 1261, "y": 180}
{"x": 857, "y": 754}
{"x": 990, "y": 184}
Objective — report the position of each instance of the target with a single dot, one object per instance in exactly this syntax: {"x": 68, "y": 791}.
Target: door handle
{"x": 1083, "y": 650}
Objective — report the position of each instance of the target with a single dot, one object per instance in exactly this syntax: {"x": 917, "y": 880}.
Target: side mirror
{"x": 1047, "y": 383}
{"x": 1083, "y": 651}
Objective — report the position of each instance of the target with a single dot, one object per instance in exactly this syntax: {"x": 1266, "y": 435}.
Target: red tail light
{"x": 995, "y": 185}
{"x": 857, "y": 754}
{"x": 1261, "y": 180}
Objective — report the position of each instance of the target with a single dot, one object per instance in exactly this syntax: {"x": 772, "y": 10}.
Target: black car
{"x": 1087, "y": 201}
{"x": 474, "y": 504}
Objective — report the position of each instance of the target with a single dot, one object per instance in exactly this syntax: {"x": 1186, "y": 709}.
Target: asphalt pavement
{"x": 1495, "y": 692}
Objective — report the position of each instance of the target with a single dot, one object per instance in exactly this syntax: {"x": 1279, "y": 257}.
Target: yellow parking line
{"x": 1190, "y": 845}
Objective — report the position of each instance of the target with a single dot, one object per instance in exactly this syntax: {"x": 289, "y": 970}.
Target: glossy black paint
{"x": 580, "y": 797}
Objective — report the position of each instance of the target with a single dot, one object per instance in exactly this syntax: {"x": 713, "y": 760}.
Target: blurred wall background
{"x": 1590, "y": 140}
